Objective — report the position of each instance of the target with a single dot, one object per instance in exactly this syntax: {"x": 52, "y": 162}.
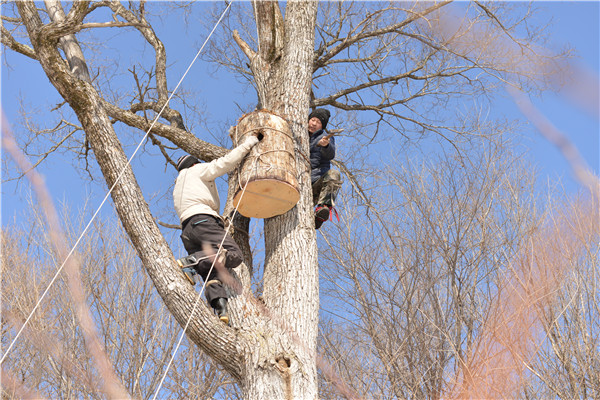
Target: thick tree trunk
{"x": 283, "y": 74}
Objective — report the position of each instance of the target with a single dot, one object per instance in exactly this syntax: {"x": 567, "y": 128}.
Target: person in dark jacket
{"x": 326, "y": 182}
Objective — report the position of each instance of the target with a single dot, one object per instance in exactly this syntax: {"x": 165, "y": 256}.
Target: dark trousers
{"x": 207, "y": 229}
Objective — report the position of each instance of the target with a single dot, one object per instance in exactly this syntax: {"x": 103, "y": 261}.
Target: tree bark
{"x": 267, "y": 176}
{"x": 283, "y": 75}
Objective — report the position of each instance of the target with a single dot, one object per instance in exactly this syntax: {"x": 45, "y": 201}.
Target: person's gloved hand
{"x": 250, "y": 141}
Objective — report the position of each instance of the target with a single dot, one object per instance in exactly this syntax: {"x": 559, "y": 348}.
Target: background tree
{"x": 396, "y": 63}
{"x": 415, "y": 294}
{"x": 138, "y": 332}
{"x": 564, "y": 256}
{"x": 466, "y": 288}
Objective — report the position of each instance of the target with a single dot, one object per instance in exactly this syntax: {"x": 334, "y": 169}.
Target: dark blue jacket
{"x": 320, "y": 157}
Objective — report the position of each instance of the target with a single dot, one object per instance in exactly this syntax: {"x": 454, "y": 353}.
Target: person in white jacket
{"x": 197, "y": 204}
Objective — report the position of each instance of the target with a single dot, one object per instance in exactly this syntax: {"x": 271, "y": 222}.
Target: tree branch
{"x": 361, "y": 192}
{"x": 350, "y": 40}
{"x": 69, "y": 43}
{"x": 10, "y": 42}
{"x": 67, "y": 25}
{"x": 217, "y": 340}
{"x": 244, "y": 46}
{"x": 271, "y": 34}
{"x": 185, "y": 140}
{"x": 91, "y": 25}
{"x": 148, "y": 33}
{"x": 171, "y": 115}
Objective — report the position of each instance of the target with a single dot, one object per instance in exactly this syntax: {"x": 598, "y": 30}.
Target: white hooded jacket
{"x": 195, "y": 191}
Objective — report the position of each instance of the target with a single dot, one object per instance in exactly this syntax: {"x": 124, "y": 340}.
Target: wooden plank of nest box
{"x": 269, "y": 171}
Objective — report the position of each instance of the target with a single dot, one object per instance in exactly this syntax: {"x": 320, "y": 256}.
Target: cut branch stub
{"x": 269, "y": 170}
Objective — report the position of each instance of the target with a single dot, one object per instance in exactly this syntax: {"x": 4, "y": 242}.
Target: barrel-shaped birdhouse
{"x": 267, "y": 183}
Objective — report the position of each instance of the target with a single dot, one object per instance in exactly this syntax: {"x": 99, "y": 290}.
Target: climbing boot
{"x": 187, "y": 267}
{"x": 321, "y": 215}
{"x": 220, "y": 307}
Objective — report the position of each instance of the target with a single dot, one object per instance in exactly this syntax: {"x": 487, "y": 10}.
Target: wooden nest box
{"x": 269, "y": 170}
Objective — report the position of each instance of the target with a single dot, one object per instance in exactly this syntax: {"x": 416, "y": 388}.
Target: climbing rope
{"x": 111, "y": 189}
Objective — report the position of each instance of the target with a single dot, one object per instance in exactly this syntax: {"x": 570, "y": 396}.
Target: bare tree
{"x": 287, "y": 365}
{"x": 410, "y": 299}
{"x": 404, "y": 67}
{"x": 139, "y": 333}
{"x": 388, "y": 59}
{"x": 466, "y": 288}
{"x": 564, "y": 257}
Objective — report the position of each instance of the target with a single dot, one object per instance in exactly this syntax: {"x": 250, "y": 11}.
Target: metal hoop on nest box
{"x": 272, "y": 186}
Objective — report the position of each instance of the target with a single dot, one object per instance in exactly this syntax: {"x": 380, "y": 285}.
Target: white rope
{"x": 187, "y": 324}
{"x": 110, "y": 190}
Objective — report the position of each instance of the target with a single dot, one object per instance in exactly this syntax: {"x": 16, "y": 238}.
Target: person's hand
{"x": 324, "y": 142}
{"x": 251, "y": 140}
{"x": 259, "y": 135}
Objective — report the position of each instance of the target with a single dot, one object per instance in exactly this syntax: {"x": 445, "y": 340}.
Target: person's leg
{"x": 234, "y": 256}
{"x": 327, "y": 188}
{"x": 331, "y": 184}
{"x": 321, "y": 212}
{"x": 201, "y": 231}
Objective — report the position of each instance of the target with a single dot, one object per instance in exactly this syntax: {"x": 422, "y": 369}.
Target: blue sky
{"x": 574, "y": 23}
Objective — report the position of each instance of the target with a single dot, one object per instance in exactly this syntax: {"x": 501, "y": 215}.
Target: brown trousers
{"x": 326, "y": 188}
